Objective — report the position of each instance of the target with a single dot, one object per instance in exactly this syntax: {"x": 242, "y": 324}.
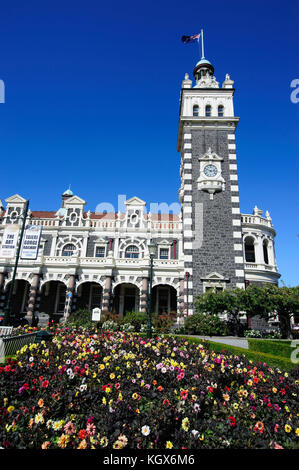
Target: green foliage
{"x": 205, "y": 324}
{"x": 162, "y": 322}
{"x": 275, "y": 348}
{"x": 80, "y": 318}
{"x": 254, "y": 300}
{"x": 136, "y": 319}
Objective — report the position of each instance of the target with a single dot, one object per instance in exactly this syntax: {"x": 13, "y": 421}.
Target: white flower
{"x": 163, "y": 370}
{"x": 195, "y": 433}
{"x": 145, "y": 430}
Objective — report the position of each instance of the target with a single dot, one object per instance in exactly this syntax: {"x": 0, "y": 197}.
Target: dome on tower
{"x": 68, "y": 192}
{"x": 203, "y": 64}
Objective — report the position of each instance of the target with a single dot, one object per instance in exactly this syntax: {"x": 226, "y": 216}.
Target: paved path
{"x": 231, "y": 340}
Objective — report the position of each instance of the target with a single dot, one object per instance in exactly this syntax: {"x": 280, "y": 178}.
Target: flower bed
{"x": 87, "y": 390}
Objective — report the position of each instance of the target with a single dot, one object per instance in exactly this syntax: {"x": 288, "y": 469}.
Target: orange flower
{"x": 259, "y": 427}
{"x": 154, "y": 382}
{"x": 160, "y": 388}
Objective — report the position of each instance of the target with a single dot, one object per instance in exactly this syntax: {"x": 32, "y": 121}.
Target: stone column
{"x": 32, "y": 298}
{"x": 181, "y": 302}
{"x": 69, "y": 296}
{"x": 106, "y": 295}
{"x": 144, "y": 295}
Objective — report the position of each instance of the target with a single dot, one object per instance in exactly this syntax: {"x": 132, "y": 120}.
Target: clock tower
{"x": 209, "y": 192}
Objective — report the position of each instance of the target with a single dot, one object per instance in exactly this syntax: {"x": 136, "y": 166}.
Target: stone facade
{"x": 88, "y": 259}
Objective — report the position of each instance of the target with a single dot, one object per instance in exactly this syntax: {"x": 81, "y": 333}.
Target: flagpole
{"x": 202, "y": 47}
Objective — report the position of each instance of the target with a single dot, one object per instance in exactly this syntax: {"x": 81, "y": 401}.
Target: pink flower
{"x": 69, "y": 428}
{"x": 91, "y": 429}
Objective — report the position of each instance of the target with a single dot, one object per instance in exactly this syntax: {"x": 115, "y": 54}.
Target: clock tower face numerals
{"x": 210, "y": 171}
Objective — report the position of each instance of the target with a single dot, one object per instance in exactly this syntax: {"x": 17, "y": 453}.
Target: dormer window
{"x": 195, "y": 110}
{"x": 208, "y": 110}
{"x": 220, "y": 110}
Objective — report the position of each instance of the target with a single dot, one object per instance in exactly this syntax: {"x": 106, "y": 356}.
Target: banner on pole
{"x": 9, "y": 241}
{"x": 31, "y": 241}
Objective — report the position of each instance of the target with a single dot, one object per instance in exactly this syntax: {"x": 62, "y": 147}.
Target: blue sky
{"x": 92, "y": 100}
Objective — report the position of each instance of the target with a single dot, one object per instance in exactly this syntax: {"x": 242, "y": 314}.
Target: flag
{"x": 187, "y": 39}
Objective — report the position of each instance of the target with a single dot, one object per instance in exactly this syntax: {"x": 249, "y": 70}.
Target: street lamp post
{"x": 152, "y": 251}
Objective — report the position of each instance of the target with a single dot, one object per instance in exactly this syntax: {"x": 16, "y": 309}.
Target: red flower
{"x": 184, "y": 394}
{"x": 82, "y": 434}
{"x": 166, "y": 402}
{"x": 45, "y": 384}
{"x": 232, "y": 421}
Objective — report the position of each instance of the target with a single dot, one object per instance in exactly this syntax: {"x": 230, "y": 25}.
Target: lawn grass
{"x": 273, "y": 359}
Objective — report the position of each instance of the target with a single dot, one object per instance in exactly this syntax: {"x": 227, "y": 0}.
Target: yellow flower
{"x": 104, "y": 441}
{"x": 297, "y": 432}
{"x": 169, "y": 445}
{"x": 112, "y": 376}
{"x": 185, "y": 424}
{"x": 10, "y": 409}
{"x": 63, "y": 441}
{"x": 287, "y": 428}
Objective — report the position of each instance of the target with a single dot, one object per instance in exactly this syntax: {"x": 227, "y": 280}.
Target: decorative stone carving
{"x": 210, "y": 177}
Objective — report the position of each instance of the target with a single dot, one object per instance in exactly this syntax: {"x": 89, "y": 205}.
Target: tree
{"x": 227, "y": 301}
{"x": 257, "y": 300}
{"x": 286, "y": 304}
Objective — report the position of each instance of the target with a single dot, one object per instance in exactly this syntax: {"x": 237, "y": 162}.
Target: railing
{"x": 261, "y": 267}
{"x": 9, "y": 345}
{"x": 91, "y": 261}
{"x": 255, "y": 220}
{"x": 5, "y": 330}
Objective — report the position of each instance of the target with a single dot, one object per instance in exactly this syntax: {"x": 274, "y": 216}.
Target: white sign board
{"x": 30, "y": 244}
{"x": 96, "y": 314}
{"x": 9, "y": 241}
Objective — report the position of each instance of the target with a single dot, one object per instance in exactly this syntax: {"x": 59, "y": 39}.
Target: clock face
{"x": 210, "y": 170}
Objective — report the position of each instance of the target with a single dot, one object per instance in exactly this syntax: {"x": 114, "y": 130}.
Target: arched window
{"x": 265, "y": 250}
{"x": 220, "y": 110}
{"x": 195, "y": 110}
{"x": 249, "y": 250}
{"x": 132, "y": 251}
{"x": 68, "y": 249}
{"x": 208, "y": 110}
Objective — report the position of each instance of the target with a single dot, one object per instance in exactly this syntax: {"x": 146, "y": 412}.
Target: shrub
{"x": 136, "y": 319}
{"x": 80, "y": 318}
{"x": 127, "y": 327}
{"x": 204, "y": 324}
{"x": 163, "y": 322}
{"x": 110, "y": 325}
{"x": 252, "y": 334}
